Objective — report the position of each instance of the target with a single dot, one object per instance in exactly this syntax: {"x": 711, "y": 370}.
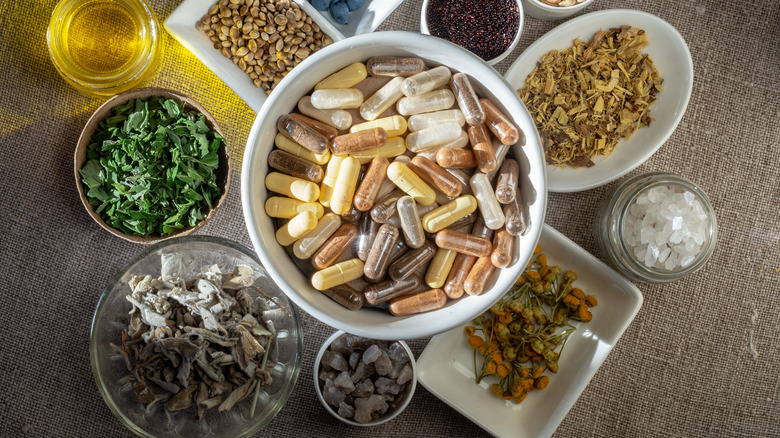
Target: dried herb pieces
{"x": 585, "y": 98}
{"x": 523, "y": 334}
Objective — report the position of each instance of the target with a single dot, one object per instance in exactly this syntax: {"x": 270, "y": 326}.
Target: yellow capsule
{"x": 394, "y": 125}
{"x": 293, "y": 187}
{"x": 337, "y": 274}
{"x": 344, "y": 188}
{"x": 288, "y": 208}
{"x": 289, "y": 145}
{"x": 344, "y": 78}
{"x": 331, "y": 172}
{"x": 439, "y": 268}
{"x": 409, "y": 182}
{"x": 449, "y": 213}
{"x": 394, "y": 147}
{"x": 301, "y": 224}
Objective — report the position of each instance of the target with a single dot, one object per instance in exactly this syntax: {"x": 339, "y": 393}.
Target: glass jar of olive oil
{"x": 103, "y": 46}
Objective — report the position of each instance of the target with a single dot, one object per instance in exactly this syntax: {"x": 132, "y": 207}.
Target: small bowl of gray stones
{"x": 364, "y": 382}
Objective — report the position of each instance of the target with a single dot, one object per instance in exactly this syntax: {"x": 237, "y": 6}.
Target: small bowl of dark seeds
{"x": 364, "y": 382}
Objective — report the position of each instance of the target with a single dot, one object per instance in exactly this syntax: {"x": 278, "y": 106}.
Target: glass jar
{"x": 629, "y": 206}
{"x": 103, "y": 47}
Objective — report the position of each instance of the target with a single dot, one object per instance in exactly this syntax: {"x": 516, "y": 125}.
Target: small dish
{"x": 181, "y": 25}
{"x": 104, "y": 111}
{"x": 446, "y": 366}
{"x": 363, "y": 20}
{"x": 671, "y": 56}
{"x": 396, "y": 407}
{"x": 545, "y": 12}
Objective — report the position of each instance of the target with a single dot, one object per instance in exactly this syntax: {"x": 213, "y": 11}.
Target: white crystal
{"x": 686, "y": 260}
{"x": 664, "y": 254}
{"x": 677, "y": 222}
{"x": 689, "y": 197}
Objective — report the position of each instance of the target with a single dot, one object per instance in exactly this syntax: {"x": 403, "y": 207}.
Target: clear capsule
{"x": 410, "y": 183}
{"x": 506, "y": 188}
{"x": 449, "y": 213}
{"x": 345, "y": 295}
{"x": 329, "y": 180}
{"x": 399, "y": 249}
{"x": 288, "y": 163}
{"x": 352, "y": 215}
{"x": 310, "y": 242}
{"x": 480, "y": 229}
{"x": 385, "y": 208}
{"x": 337, "y": 274}
{"x": 290, "y": 186}
{"x": 411, "y": 261}
{"x": 432, "y": 137}
{"x": 486, "y": 198}
{"x": 336, "y": 244}
{"x": 516, "y": 222}
{"x": 339, "y": 119}
{"x": 440, "y": 266}
{"x": 302, "y": 134}
{"x": 378, "y": 293}
{"x": 359, "y": 141}
{"x": 296, "y": 227}
{"x": 382, "y": 100}
{"x": 425, "y": 103}
{"x": 394, "y": 66}
{"x": 287, "y": 208}
{"x": 289, "y": 145}
{"x": 347, "y": 77}
{"x": 467, "y": 99}
{"x": 461, "y": 267}
{"x": 465, "y": 243}
{"x": 379, "y": 257}
{"x": 464, "y": 178}
{"x": 344, "y": 188}
{"x": 394, "y": 147}
{"x": 368, "y": 190}
{"x": 323, "y": 128}
{"x": 500, "y": 125}
{"x": 426, "y": 81}
{"x": 386, "y": 188}
{"x": 337, "y": 98}
{"x": 436, "y": 176}
{"x": 410, "y": 221}
{"x": 483, "y": 148}
{"x": 501, "y": 151}
{"x": 419, "y": 122}
{"x": 394, "y": 125}
{"x": 366, "y": 234}
{"x": 478, "y": 276}
{"x": 502, "y": 249}
{"x": 418, "y": 302}
{"x": 456, "y": 158}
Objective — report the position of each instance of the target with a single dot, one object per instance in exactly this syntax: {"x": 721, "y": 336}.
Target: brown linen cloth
{"x": 702, "y": 357}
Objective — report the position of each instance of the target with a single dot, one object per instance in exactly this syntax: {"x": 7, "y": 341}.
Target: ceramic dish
{"x": 181, "y": 25}
{"x": 671, "y": 56}
{"x": 446, "y": 366}
{"x": 364, "y": 20}
{"x": 368, "y": 322}
{"x": 546, "y": 12}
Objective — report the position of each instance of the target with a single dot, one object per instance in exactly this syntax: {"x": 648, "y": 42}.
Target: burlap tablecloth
{"x": 683, "y": 368}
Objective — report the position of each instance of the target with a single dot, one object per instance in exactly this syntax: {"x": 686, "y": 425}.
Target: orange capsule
{"x": 367, "y": 192}
{"x": 419, "y": 302}
{"x": 460, "y": 270}
{"x": 478, "y": 276}
{"x": 483, "y": 148}
{"x": 456, "y": 158}
{"x": 500, "y": 125}
{"x": 437, "y": 177}
{"x": 359, "y": 141}
{"x": 464, "y": 243}
{"x": 323, "y": 128}
{"x": 502, "y": 248}
{"x": 332, "y": 249}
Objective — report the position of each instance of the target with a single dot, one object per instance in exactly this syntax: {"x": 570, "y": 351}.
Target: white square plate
{"x": 364, "y": 20}
{"x": 446, "y": 366}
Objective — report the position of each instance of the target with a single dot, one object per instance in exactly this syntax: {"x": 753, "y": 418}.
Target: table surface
{"x": 702, "y": 357}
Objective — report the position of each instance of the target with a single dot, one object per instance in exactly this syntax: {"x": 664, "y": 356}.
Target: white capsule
{"x": 310, "y": 242}
{"x": 337, "y": 118}
{"x": 432, "y": 137}
{"x": 425, "y": 103}
{"x": 426, "y": 81}
{"x": 410, "y": 221}
{"x": 383, "y": 99}
{"x": 491, "y": 210}
{"x": 337, "y": 98}
{"x": 422, "y": 121}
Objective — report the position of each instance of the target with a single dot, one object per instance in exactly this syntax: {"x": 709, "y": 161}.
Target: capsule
{"x": 344, "y": 188}
{"x": 502, "y": 249}
{"x": 456, "y": 158}
{"x": 289, "y": 145}
{"x": 488, "y": 204}
{"x": 432, "y": 137}
{"x": 382, "y": 100}
{"x": 410, "y": 183}
{"x": 437, "y": 177}
{"x": 499, "y": 124}
{"x": 483, "y": 148}
{"x": 463, "y": 224}
{"x": 287, "y": 208}
{"x": 418, "y": 302}
{"x": 290, "y": 186}
{"x": 394, "y": 66}
{"x": 394, "y": 125}
{"x": 336, "y": 244}
{"x": 378, "y": 293}
{"x": 288, "y": 163}
{"x": 386, "y": 207}
{"x": 337, "y": 118}
{"x": 296, "y": 227}
{"x": 329, "y": 180}
{"x": 463, "y": 242}
{"x": 337, "y": 274}
{"x": 367, "y": 233}
{"x": 501, "y": 152}
{"x": 352, "y": 215}
{"x": 449, "y": 213}
{"x": 345, "y": 295}
{"x": 302, "y": 134}
{"x": 379, "y": 257}
{"x": 399, "y": 249}
{"x": 310, "y": 242}
{"x": 411, "y": 261}
{"x": 464, "y": 179}
{"x": 347, "y": 77}
{"x": 440, "y": 266}
{"x": 337, "y": 98}
{"x": 386, "y": 188}
{"x": 421, "y": 121}
{"x": 481, "y": 230}
{"x": 323, "y": 128}
{"x": 359, "y": 141}
{"x": 394, "y": 147}
{"x": 467, "y": 99}
{"x": 425, "y": 103}
{"x": 461, "y": 267}
{"x": 426, "y": 81}
{"x": 516, "y": 222}
{"x": 506, "y": 188}
{"x": 370, "y": 184}
{"x": 410, "y": 221}
{"x": 478, "y": 276}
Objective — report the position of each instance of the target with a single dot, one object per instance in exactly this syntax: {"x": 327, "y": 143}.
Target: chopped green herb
{"x": 151, "y": 167}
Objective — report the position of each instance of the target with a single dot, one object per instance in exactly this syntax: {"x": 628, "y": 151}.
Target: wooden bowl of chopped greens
{"x": 151, "y": 164}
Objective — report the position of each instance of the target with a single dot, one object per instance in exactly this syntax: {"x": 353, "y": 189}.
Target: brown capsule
{"x": 303, "y": 134}
{"x": 359, "y": 141}
{"x": 418, "y": 302}
{"x": 385, "y": 208}
{"x": 298, "y": 167}
{"x": 332, "y": 249}
{"x": 411, "y": 261}
{"x": 460, "y": 270}
{"x": 352, "y": 215}
{"x": 500, "y": 125}
{"x": 394, "y": 66}
{"x": 380, "y": 292}
{"x": 508, "y": 177}
{"x": 478, "y": 276}
{"x": 483, "y": 148}
{"x": 480, "y": 229}
{"x": 367, "y": 192}
{"x": 379, "y": 257}
{"x": 456, "y": 158}
{"x": 467, "y": 99}
{"x": 437, "y": 177}
{"x": 502, "y": 248}
{"x": 345, "y": 295}
{"x": 464, "y": 243}
{"x": 399, "y": 249}
{"x": 328, "y": 131}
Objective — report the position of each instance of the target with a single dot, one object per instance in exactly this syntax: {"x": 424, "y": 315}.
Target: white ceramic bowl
{"x": 544, "y": 12}
{"x": 368, "y": 322}
{"x": 424, "y": 29}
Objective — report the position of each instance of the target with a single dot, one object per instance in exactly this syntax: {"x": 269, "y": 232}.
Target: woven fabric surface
{"x": 702, "y": 357}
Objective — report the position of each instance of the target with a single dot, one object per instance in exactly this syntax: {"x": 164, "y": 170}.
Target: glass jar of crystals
{"x": 656, "y": 228}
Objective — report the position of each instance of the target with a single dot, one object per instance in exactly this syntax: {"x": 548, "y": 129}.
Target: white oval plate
{"x": 671, "y": 56}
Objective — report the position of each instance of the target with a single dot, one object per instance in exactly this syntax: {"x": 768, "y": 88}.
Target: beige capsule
{"x": 419, "y": 302}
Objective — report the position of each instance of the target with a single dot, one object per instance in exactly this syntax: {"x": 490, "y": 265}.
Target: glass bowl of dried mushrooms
{"x": 193, "y": 338}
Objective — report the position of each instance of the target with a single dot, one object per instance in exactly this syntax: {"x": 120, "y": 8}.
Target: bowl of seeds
{"x": 192, "y": 338}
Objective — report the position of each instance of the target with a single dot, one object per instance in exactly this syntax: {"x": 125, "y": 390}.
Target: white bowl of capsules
{"x": 302, "y": 184}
